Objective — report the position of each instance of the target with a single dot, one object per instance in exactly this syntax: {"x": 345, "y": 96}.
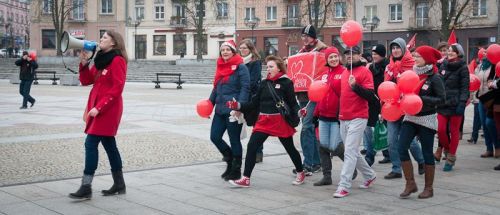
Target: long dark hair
{"x": 251, "y": 47}
{"x": 119, "y": 43}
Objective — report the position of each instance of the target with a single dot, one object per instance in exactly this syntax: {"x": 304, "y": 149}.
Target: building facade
{"x": 86, "y": 20}
{"x": 275, "y": 25}
{"x": 166, "y": 29}
{"x": 14, "y": 23}
{"x": 477, "y": 26}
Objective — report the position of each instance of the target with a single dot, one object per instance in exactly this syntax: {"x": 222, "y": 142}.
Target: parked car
{"x": 3, "y": 53}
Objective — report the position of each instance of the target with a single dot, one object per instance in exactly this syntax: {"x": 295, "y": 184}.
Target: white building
{"x": 164, "y": 29}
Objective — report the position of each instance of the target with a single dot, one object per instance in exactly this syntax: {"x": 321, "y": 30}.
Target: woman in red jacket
{"x": 104, "y": 110}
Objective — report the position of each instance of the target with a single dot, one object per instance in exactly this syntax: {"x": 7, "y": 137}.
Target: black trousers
{"x": 24, "y": 90}
{"x": 257, "y": 139}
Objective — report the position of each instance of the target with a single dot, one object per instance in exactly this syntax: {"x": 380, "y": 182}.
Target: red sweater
{"x": 105, "y": 96}
{"x": 352, "y": 105}
{"x": 329, "y": 106}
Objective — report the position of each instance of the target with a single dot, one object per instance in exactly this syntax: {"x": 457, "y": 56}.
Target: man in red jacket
{"x": 356, "y": 91}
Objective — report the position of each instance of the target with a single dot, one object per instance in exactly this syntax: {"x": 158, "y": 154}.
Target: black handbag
{"x": 291, "y": 118}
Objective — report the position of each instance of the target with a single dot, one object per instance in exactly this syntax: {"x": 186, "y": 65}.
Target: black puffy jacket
{"x": 432, "y": 94}
{"x": 455, "y": 76}
{"x": 26, "y": 69}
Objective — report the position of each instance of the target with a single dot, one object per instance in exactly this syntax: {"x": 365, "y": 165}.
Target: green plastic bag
{"x": 380, "y": 136}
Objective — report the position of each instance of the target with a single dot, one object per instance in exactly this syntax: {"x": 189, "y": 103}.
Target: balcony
{"x": 419, "y": 23}
{"x": 178, "y": 22}
{"x": 291, "y": 22}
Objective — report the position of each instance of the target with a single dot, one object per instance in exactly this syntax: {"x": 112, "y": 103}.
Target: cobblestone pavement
{"x": 159, "y": 129}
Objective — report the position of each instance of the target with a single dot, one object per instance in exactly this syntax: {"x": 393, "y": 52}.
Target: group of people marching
{"x": 346, "y": 115}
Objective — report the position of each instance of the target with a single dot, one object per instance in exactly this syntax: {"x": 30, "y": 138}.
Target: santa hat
{"x": 230, "y": 44}
{"x": 429, "y": 54}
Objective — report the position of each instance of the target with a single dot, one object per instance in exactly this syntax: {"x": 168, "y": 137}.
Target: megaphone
{"x": 69, "y": 42}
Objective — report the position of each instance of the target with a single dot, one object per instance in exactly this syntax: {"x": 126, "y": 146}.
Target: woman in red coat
{"x": 104, "y": 110}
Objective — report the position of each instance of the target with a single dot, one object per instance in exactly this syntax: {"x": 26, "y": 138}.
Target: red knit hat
{"x": 429, "y": 54}
{"x": 330, "y": 50}
{"x": 230, "y": 44}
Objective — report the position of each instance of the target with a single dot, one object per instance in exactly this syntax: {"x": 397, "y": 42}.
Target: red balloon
{"x": 408, "y": 82}
{"x": 351, "y": 33}
{"x": 391, "y": 112}
{"x": 493, "y": 53}
{"x": 388, "y": 91}
{"x": 317, "y": 90}
{"x": 411, "y": 104}
{"x": 32, "y": 55}
{"x": 475, "y": 82}
{"x": 204, "y": 108}
{"x": 497, "y": 70}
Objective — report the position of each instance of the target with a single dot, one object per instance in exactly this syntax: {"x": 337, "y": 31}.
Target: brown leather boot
{"x": 429, "y": 180}
{"x": 438, "y": 153}
{"x": 411, "y": 186}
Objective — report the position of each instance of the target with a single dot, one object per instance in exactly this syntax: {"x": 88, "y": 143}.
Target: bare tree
{"x": 195, "y": 10}
{"x": 59, "y": 11}
{"x": 316, "y": 13}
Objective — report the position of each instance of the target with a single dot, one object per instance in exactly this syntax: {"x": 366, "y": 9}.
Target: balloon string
{"x": 351, "y": 60}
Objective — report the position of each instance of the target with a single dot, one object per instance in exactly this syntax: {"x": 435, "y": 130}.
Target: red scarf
{"x": 225, "y": 69}
{"x": 400, "y": 66}
{"x": 276, "y": 77}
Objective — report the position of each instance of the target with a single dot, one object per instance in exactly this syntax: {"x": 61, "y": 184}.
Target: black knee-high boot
{"x": 326, "y": 165}
{"x": 235, "y": 172}
{"x": 228, "y": 158}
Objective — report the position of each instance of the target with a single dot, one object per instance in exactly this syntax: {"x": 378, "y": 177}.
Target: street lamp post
{"x": 252, "y": 23}
{"x": 136, "y": 23}
{"x": 372, "y": 24}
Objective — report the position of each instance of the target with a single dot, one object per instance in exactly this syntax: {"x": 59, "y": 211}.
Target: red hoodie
{"x": 396, "y": 68}
{"x": 329, "y": 106}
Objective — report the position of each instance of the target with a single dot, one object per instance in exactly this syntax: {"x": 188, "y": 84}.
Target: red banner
{"x": 304, "y": 68}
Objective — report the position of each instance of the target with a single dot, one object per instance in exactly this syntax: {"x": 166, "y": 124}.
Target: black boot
{"x": 228, "y": 158}
{"x": 326, "y": 165}
{"x": 118, "y": 185}
{"x": 235, "y": 172}
{"x": 339, "y": 151}
{"x": 85, "y": 190}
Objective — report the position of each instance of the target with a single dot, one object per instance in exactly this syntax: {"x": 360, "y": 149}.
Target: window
{"x": 179, "y": 10}
{"x": 159, "y": 9}
{"x": 106, "y": 6}
{"x": 249, "y": 13}
{"x": 422, "y": 14}
{"x": 159, "y": 45}
{"x": 293, "y": 11}
{"x": 479, "y": 8}
{"x": 396, "y": 12}
{"x": 139, "y": 9}
{"x": 204, "y": 46}
{"x": 271, "y": 13}
{"x": 47, "y": 6}
{"x": 78, "y": 13}
{"x": 340, "y": 9}
{"x": 313, "y": 11}
{"x": 48, "y": 39}
{"x": 179, "y": 44}
{"x": 200, "y": 9}
{"x": 222, "y": 9}
{"x": 101, "y": 32}
{"x": 370, "y": 12}
{"x": 271, "y": 45}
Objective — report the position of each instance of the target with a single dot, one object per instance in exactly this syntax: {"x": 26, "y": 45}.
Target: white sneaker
{"x": 366, "y": 184}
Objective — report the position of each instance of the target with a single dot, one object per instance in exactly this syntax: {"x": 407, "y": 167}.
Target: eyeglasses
{"x": 243, "y": 48}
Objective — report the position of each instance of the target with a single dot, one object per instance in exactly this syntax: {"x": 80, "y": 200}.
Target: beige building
{"x": 14, "y": 24}
{"x": 275, "y": 25}
{"x": 476, "y": 28}
{"x": 165, "y": 30}
{"x": 87, "y": 20}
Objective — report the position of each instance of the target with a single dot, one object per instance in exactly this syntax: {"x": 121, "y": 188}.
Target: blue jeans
{"x": 476, "y": 123}
{"x": 92, "y": 153}
{"x": 24, "y": 90}
{"x": 489, "y": 129}
{"x": 425, "y": 135}
{"x": 329, "y": 135}
{"x": 308, "y": 140}
{"x": 220, "y": 124}
{"x": 393, "y": 129}
{"x": 368, "y": 142}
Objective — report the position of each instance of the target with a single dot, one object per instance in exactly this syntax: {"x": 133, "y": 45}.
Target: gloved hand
{"x": 302, "y": 112}
{"x": 460, "y": 109}
{"x": 233, "y": 105}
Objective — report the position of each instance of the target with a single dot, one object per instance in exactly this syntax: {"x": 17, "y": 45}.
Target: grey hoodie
{"x": 399, "y": 42}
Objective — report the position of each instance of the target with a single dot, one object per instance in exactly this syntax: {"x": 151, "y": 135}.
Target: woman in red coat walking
{"x": 104, "y": 110}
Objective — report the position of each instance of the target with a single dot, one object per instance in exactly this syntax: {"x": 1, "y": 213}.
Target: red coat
{"x": 105, "y": 96}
